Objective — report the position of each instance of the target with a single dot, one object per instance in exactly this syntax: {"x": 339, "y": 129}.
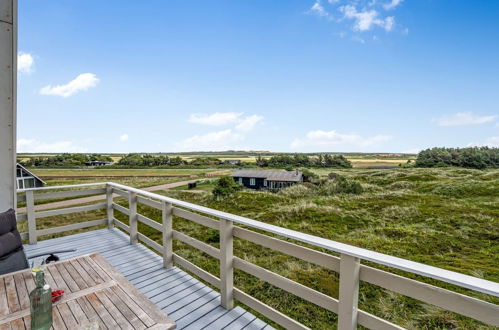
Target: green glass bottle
{"x": 41, "y": 304}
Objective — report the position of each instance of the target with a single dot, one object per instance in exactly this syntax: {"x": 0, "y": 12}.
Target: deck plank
{"x": 226, "y": 319}
{"x": 189, "y": 302}
{"x": 207, "y": 318}
{"x": 256, "y": 324}
{"x": 241, "y": 321}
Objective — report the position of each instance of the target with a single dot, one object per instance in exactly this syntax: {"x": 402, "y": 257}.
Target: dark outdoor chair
{"x": 12, "y": 256}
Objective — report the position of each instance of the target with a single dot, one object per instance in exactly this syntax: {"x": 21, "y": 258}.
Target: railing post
{"x": 30, "y": 213}
{"x": 132, "y": 205}
{"x": 167, "y": 221}
{"x": 110, "y": 210}
{"x": 349, "y": 292}
{"x": 226, "y": 264}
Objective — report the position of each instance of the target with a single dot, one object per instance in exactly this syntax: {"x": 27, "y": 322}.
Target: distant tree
{"x": 225, "y": 186}
{"x": 475, "y": 157}
{"x": 199, "y": 161}
{"x": 301, "y": 160}
{"x": 175, "y": 161}
{"x": 336, "y": 161}
{"x": 261, "y": 162}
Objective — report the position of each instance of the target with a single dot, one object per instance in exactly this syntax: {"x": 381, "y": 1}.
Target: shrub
{"x": 297, "y": 190}
{"x": 350, "y": 187}
{"x": 309, "y": 176}
{"x": 341, "y": 185}
{"x": 225, "y": 186}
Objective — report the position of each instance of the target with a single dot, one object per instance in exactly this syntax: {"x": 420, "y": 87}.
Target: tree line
{"x": 474, "y": 157}
{"x": 300, "y": 160}
{"x": 64, "y": 160}
{"x": 136, "y": 160}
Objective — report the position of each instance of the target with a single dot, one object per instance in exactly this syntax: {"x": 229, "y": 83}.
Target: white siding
{"x": 8, "y": 78}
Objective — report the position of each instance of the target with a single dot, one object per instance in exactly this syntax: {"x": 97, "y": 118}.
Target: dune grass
{"x": 447, "y": 218}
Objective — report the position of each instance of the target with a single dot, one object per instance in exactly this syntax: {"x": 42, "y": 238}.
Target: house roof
{"x": 30, "y": 173}
{"x": 294, "y": 176}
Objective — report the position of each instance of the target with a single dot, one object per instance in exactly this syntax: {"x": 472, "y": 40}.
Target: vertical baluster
{"x": 132, "y": 205}
{"x": 226, "y": 264}
{"x": 110, "y": 210}
{"x": 30, "y": 213}
{"x": 167, "y": 220}
{"x": 349, "y": 292}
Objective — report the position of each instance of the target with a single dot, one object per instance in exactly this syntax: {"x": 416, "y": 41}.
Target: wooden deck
{"x": 190, "y": 303}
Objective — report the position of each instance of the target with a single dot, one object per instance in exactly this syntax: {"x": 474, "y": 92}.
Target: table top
{"x": 94, "y": 292}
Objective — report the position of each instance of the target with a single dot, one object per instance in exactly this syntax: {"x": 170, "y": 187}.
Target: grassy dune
{"x": 443, "y": 217}
{"x": 447, "y": 218}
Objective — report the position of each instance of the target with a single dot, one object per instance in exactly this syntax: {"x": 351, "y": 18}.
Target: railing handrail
{"x": 465, "y": 281}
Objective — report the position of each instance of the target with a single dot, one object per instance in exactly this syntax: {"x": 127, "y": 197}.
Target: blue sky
{"x": 294, "y": 75}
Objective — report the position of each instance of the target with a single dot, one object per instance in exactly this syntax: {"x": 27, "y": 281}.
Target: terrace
{"x": 195, "y": 298}
{"x": 192, "y": 296}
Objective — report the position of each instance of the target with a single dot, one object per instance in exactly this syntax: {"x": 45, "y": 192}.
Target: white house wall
{"x": 8, "y": 82}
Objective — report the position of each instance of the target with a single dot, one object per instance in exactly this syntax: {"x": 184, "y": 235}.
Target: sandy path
{"x": 89, "y": 199}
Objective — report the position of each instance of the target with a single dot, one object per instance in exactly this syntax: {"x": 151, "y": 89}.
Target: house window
{"x": 265, "y": 182}
{"x": 252, "y": 182}
{"x": 29, "y": 183}
{"x": 240, "y": 180}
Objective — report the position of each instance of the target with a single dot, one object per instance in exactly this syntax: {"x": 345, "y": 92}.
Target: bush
{"x": 340, "y": 185}
{"x": 225, "y": 186}
{"x": 309, "y": 176}
{"x": 350, "y": 187}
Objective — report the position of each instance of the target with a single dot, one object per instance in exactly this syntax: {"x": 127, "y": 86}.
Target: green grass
{"x": 447, "y": 218}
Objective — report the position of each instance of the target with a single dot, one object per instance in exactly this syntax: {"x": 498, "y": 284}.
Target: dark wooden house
{"x": 272, "y": 180}
{"x": 26, "y": 179}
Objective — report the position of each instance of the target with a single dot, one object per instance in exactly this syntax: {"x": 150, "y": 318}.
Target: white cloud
{"x": 245, "y": 124}
{"x": 412, "y": 151}
{"x": 462, "y": 119}
{"x": 367, "y": 19}
{"x": 392, "y": 4}
{"x": 219, "y": 140}
{"x": 214, "y": 141}
{"x": 215, "y": 119}
{"x": 318, "y": 9}
{"x": 25, "y": 62}
{"x": 492, "y": 142}
{"x": 32, "y": 145}
{"x": 124, "y": 137}
{"x": 81, "y": 83}
{"x": 319, "y": 140}
{"x": 248, "y": 123}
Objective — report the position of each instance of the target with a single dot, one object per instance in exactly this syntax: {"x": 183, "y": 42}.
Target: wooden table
{"x": 94, "y": 292}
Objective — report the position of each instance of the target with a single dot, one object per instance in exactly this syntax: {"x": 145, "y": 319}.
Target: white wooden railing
{"x": 348, "y": 264}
